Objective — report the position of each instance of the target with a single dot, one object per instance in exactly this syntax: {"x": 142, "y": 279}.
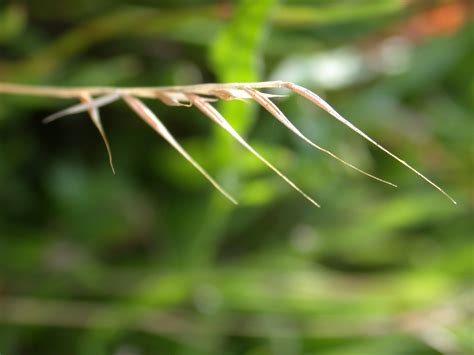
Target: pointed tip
{"x": 271, "y": 107}
{"x": 311, "y": 96}
{"x": 154, "y": 122}
{"x": 215, "y": 116}
{"x": 307, "y": 197}
{"x": 47, "y": 120}
{"x": 453, "y": 201}
{"x": 54, "y": 117}
{"x": 96, "y": 120}
{"x": 233, "y": 201}
{"x": 111, "y": 163}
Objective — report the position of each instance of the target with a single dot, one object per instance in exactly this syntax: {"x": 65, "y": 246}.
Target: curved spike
{"x": 95, "y": 117}
{"x": 308, "y": 94}
{"x": 152, "y": 120}
{"x": 214, "y": 115}
{"x": 271, "y": 107}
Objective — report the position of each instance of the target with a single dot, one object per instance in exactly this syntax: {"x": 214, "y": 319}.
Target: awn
{"x": 200, "y": 96}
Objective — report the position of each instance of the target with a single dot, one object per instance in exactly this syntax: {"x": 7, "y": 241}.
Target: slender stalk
{"x": 71, "y": 92}
{"x": 200, "y": 95}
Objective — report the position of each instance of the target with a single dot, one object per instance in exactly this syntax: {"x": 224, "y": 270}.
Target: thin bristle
{"x": 215, "y": 116}
{"x": 83, "y": 107}
{"x": 95, "y": 117}
{"x": 308, "y": 94}
{"x": 270, "y": 106}
{"x": 201, "y": 94}
{"x": 152, "y": 120}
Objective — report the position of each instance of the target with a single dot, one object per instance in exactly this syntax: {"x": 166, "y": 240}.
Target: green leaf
{"x": 236, "y": 54}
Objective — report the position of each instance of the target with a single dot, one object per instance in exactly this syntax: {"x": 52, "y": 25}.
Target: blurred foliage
{"x": 153, "y": 261}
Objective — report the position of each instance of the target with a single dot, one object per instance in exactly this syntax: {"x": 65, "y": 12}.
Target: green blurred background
{"x": 154, "y": 261}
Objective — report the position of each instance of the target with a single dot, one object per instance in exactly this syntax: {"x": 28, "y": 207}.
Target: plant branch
{"x": 92, "y": 98}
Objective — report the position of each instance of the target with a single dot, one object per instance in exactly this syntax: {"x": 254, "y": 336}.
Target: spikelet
{"x": 92, "y": 98}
